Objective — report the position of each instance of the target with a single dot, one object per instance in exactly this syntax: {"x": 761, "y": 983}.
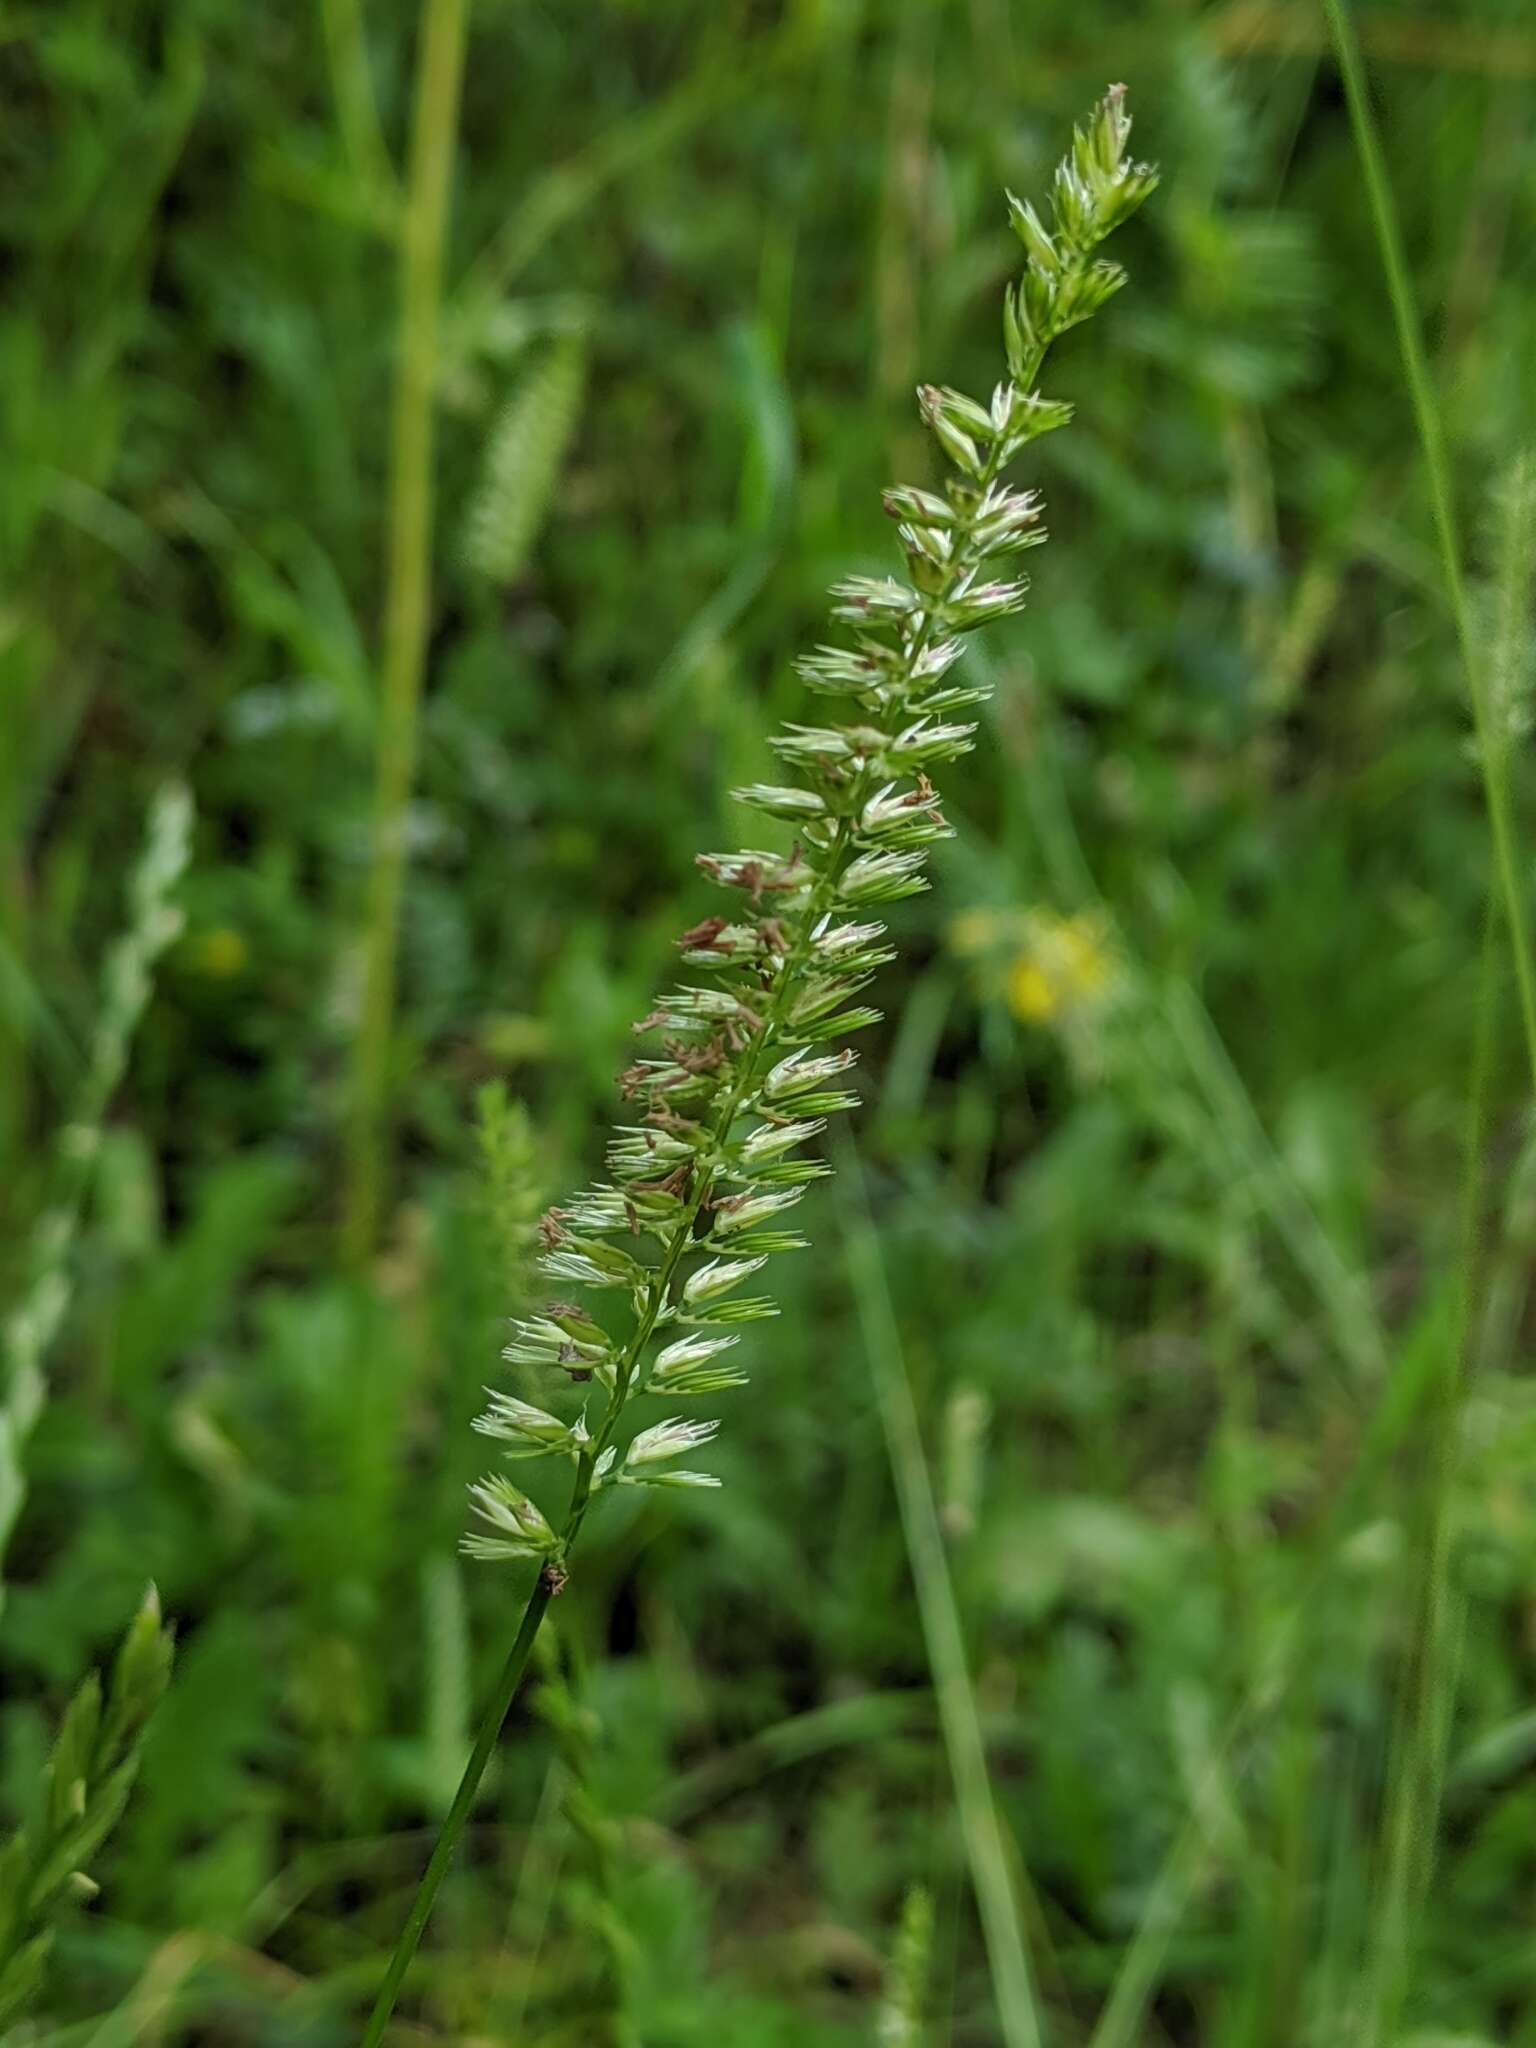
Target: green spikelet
{"x": 28, "y": 1331}
{"x": 90, "y": 1774}
{"x": 900, "y": 2023}
{"x": 523, "y": 463}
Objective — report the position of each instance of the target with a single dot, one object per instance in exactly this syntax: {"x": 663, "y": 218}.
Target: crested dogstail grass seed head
{"x": 750, "y": 1063}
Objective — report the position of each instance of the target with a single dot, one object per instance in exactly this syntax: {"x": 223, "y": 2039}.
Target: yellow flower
{"x": 1063, "y": 964}
{"x": 220, "y": 954}
{"x": 1031, "y": 994}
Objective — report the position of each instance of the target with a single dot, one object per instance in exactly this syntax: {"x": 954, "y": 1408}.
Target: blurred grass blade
{"x": 447, "y": 1707}
{"x": 1344, "y": 1298}
{"x": 357, "y": 112}
{"x": 767, "y": 493}
{"x": 726, "y": 72}
{"x": 987, "y": 1850}
{"x": 1120, "y": 2023}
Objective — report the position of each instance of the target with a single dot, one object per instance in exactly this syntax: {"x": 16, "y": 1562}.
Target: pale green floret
{"x": 771, "y": 1141}
{"x": 689, "y": 1351}
{"x": 530, "y": 1431}
{"x": 521, "y": 1531}
{"x": 688, "y": 1367}
{"x": 647, "y": 1461}
{"x": 797, "y": 1074}
{"x": 581, "y": 1267}
{"x": 717, "y": 1278}
{"x": 757, "y": 1208}
{"x": 667, "y": 1439}
{"x": 778, "y": 802}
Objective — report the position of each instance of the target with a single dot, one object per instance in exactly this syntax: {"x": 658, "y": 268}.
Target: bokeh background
{"x": 1162, "y": 1155}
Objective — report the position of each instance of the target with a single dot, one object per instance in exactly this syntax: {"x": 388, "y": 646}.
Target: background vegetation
{"x": 1163, "y": 1174}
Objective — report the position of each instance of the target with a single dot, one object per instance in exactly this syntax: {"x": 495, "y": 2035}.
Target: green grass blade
{"x": 986, "y": 1847}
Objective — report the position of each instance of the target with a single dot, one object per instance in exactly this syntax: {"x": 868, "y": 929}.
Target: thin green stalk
{"x": 1417, "y": 1775}
{"x": 986, "y": 1846}
{"x": 1418, "y": 1761}
{"x": 453, "y": 1825}
{"x": 1431, "y": 431}
{"x": 1418, "y": 1771}
{"x": 440, "y": 65}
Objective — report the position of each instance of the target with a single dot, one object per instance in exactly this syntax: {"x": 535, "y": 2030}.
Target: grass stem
{"x": 1417, "y": 1769}
{"x": 1431, "y": 432}
{"x": 1413, "y": 1797}
{"x": 440, "y": 64}
{"x": 458, "y": 1813}
{"x": 986, "y": 1847}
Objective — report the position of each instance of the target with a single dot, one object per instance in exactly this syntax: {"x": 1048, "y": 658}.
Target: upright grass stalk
{"x": 1432, "y": 443}
{"x": 1416, "y": 1777}
{"x": 439, "y": 69}
{"x": 707, "y": 1176}
{"x": 986, "y": 1846}
{"x": 1417, "y": 1774}
{"x": 1415, "y": 1786}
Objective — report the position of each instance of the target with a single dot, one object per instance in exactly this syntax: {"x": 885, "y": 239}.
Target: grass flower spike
{"x": 90, "y": 1774}
{"x": 746, "y": 1060}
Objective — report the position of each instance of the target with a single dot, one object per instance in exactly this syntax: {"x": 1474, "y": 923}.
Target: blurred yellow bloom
{"x": 220, "y": 954}
{"x": 1030, "y": 994}
{"x": 1046, "y": 967}
{"x": 1063, "y": 963}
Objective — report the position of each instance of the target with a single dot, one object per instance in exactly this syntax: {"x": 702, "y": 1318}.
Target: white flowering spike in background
{"x": 742, "y": 1067}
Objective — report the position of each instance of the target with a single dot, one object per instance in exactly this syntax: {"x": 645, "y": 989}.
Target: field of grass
{"x": 1117, "y": 1625}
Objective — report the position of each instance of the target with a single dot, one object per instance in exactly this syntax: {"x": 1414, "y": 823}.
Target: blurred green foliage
{"x": 1174, "y": 1249}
